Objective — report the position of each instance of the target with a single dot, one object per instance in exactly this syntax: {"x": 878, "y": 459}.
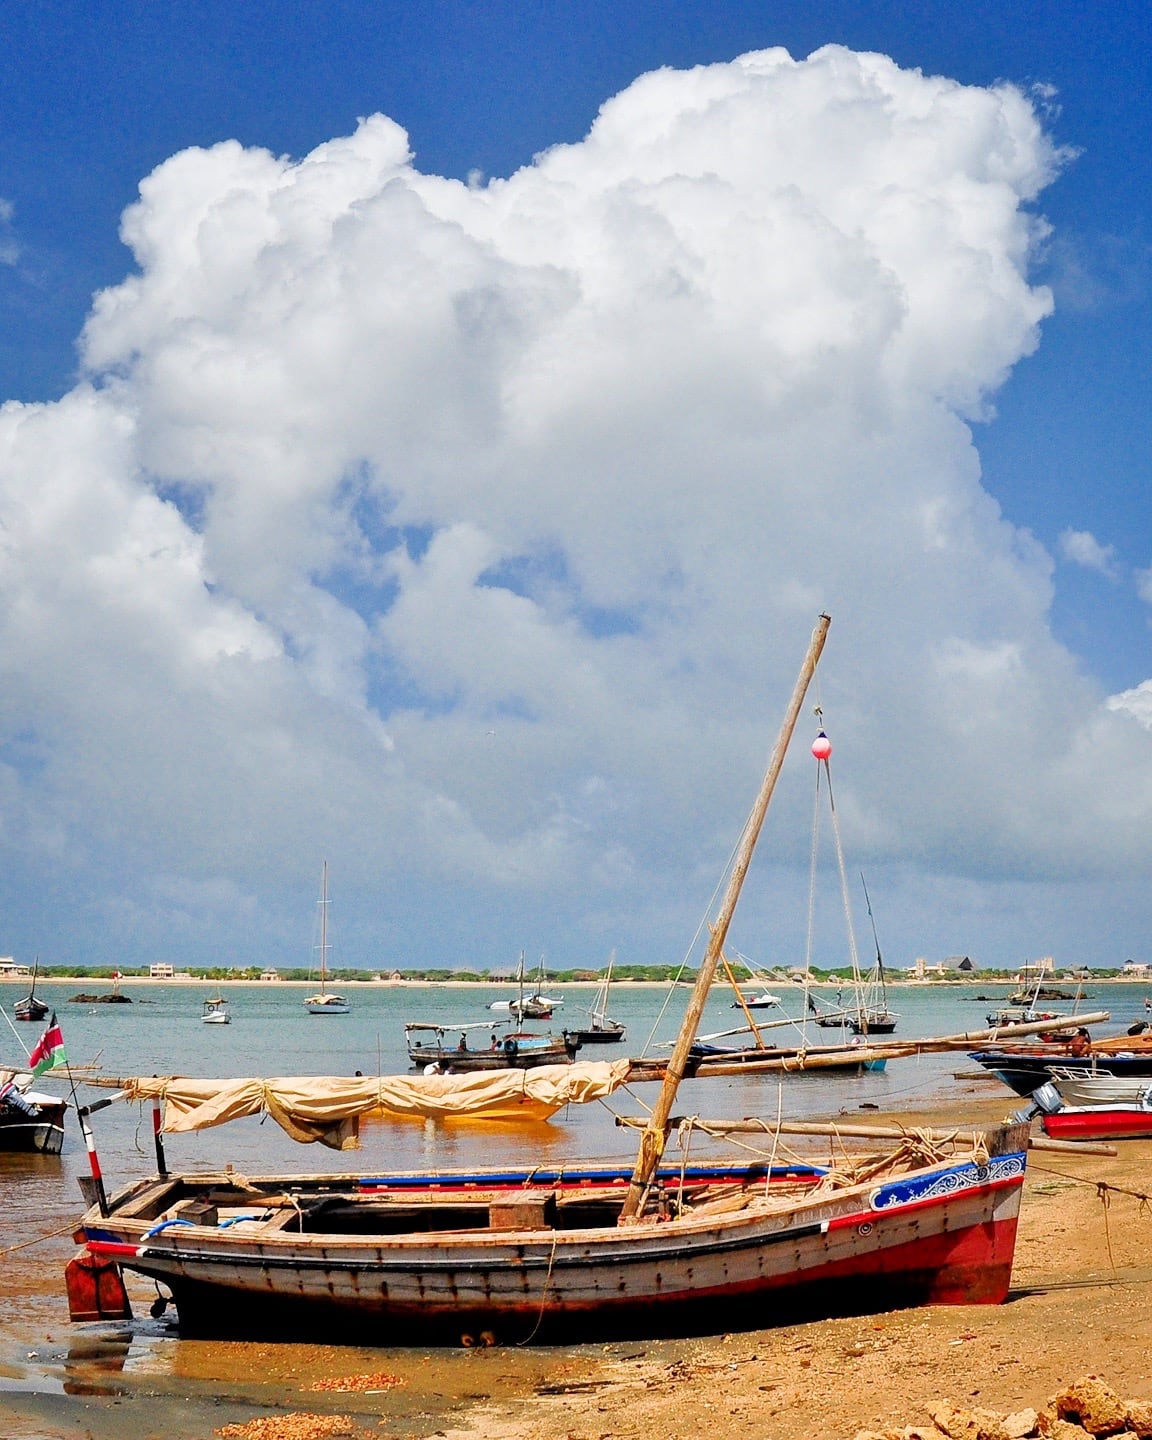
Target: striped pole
{"x": 82, "y": 1114}
{"x": 158, "y": 1139}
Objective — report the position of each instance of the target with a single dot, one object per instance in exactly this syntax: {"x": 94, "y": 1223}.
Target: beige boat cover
{"x": 328, "y": 1108}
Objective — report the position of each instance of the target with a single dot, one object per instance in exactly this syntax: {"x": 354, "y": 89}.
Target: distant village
{"x": 954, "y": 969}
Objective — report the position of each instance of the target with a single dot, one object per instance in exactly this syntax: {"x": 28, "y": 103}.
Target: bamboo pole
{"x": 654, "y": 1137}
{"x": 861, "y": 1132}
{"x": 740, "y": 997}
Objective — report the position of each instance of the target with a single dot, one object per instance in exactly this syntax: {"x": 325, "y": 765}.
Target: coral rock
{"x": 1140, "y": 1418}
{"x": 969, "y": 1424}
{"x": 1020, "y": 1424}
{"x": 1093, "y": 1406}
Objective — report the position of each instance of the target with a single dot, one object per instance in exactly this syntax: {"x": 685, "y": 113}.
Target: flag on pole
{"x": 49, "y": 1051}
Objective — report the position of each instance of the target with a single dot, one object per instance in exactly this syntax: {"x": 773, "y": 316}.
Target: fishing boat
{"x": 760, "y": 998}
{"x": 447, "y": 1047}
{"x": 601, "y": 1028}
{"x": 1127, "y": 1118}
{"x": 325, "y": 1002}
{"x": 29, "y": 1119}
{"x": 873, "y": 1015}
{"x": 1026, "y": 1067}
{"x": 1098, "y": 1088}
{"x": 31, "y": 1007}
{"x": 927, "y": 1222}
{"x": 867, "y": 1012}
{"x": 1100, "y": 1122}
{"x": 215, "y": 1011}
{"x": 533, "y": 1006}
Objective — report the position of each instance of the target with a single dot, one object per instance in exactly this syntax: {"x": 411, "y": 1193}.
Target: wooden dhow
{"x": 538, "y": 1260}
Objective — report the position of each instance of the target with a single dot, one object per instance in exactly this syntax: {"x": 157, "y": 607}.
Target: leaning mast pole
{"x": 656, "y": 1131}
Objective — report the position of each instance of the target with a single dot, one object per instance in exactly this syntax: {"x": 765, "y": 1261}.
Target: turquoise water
{"x": 271, "y": 1034}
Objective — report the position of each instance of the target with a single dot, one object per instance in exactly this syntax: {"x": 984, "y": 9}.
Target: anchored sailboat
{"x": 325, "y": 1002}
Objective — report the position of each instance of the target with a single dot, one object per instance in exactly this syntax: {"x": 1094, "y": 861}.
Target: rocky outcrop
{"x": 1086, "y": 1407}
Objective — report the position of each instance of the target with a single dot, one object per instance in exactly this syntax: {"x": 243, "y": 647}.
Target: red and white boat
{"x": 539, "y": 1260}
{"x": 1099, "y": 1122}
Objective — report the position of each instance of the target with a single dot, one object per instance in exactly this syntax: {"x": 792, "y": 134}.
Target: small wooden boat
{"x": 448, "y": 1049}
{"x": 542, "y": 1262}
{"x": 601, "y": 1028}
{"x": 31, "y": 1007}
{"x": 399, "y": 1260}
{"x": 532, "y": 1006}
{"x": 29, "y": 1120}
{"x": 1024, "y": 1068}
{"x": 1019, "y": 1015}
{"x": 325, "y": 1002}
{"x": 215, "y": 1011}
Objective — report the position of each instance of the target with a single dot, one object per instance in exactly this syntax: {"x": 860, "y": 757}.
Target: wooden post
{"x": 656, "y": 1133}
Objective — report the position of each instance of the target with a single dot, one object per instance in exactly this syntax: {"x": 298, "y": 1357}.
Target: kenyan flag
{"x": 49, "y": 1051}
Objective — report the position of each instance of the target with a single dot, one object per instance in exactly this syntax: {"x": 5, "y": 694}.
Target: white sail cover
{"x": 328, "y": 1108}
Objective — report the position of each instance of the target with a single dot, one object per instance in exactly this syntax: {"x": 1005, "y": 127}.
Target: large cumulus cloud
{"x": 472, "y": 532}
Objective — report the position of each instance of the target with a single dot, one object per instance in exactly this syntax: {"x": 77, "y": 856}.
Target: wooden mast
{"x": 655, "y": 1134}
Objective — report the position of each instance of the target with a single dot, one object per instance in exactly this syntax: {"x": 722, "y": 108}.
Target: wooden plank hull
{"x": 941, "y": 1235}
{"x": 1025, "y": 1071}
{"x": 33, "y": 1134}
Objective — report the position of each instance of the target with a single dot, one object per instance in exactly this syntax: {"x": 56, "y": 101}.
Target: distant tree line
{"x": 621, "y": 973}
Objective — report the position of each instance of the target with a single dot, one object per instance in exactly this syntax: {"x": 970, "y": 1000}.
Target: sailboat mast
{"x": 323, "y": 924}
{"x": 655, "y": 1133}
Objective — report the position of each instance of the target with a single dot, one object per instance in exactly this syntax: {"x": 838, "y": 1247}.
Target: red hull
{"x": 1117, "y": 1122}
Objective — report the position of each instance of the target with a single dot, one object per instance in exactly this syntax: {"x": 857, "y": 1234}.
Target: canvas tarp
{"x": 328, "y": 1108}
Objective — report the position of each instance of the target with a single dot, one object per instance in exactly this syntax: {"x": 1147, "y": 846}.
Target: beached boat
{"x": 1097, "y": 1087}
{"x": 516, "y": 1259}
{"x": 601, "y": 1028}
{"x": 29, "y": 1119}
{"x": 324, "y": 1002}
{"x": 30, "y": 1006}
{"x": 1024, "y": 1068}
{"x": 1099, "y": 1122}
{"x": 931, "y": 1221}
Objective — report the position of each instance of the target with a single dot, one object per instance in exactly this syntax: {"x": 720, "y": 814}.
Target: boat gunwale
{"x": 839, "y": 1207}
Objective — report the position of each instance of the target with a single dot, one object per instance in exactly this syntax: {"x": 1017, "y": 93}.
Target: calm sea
{"x": 271, "y": 1034}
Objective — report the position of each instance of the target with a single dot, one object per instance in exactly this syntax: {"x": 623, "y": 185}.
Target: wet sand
{"x": 1081, "y": 1303}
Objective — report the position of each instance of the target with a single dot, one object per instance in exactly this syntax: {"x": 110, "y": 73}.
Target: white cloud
{"x": 1144, "y": 585}
{"x": 472, "y": 532}
{"x": 1082, "y": 548}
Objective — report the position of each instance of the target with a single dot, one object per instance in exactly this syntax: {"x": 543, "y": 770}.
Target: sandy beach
{"x": 1081, "y": 1303}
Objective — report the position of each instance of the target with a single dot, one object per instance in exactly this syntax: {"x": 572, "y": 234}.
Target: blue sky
{"x": 94, "y": 99}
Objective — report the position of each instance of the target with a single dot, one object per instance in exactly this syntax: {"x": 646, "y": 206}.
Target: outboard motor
{"x": 1045, "y": 1101}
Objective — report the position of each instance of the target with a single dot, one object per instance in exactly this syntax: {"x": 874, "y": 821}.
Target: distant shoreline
{"x": 409, "y": 983}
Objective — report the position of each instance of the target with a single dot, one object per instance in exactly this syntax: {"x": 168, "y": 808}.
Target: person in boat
{"x": 12, "y": 1099}
{"x": 463, "y": 1045}
{"x": 1081, "y": 1042}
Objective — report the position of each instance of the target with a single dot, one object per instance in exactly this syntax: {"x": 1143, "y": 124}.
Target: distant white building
{"x": 921, "y": 970}
{"x": 161, "y": 972}
{"x": 1036, "y": 969}
{"x": 1137, "y": 969}
{"x": 10, "y": 970}
{"x": 270, "y": 974}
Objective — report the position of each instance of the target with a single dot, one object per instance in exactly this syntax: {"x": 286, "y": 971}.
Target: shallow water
{"x": 161, "y": 1033}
